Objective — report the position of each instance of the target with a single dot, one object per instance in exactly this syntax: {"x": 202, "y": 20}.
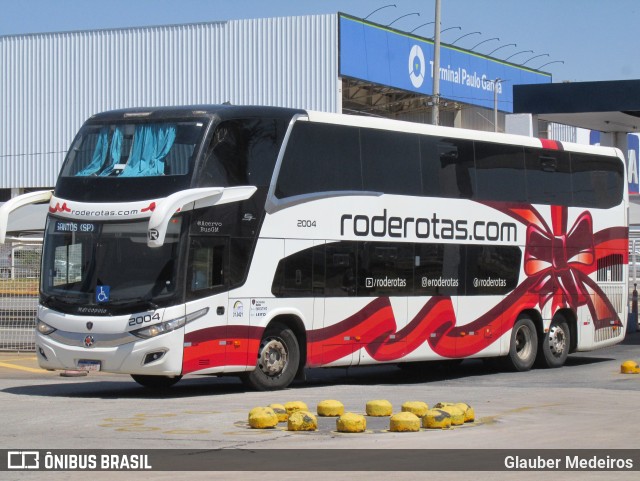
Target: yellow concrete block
{"x": 302, "y": 421}
{"x": 469, "y": 413}
{"x": 330, "y": 407}
{"x": 280, "y": 411}
{"x": 351, "y": 423}
{"x": 404, "y": 422}
{"x": 457, "y": 415}
{"x": 436, "y": 419}
{"x": 418, "y": 408}
{"x": 294, "y": 406}
{"x": 630, "y": 367}
{"x": 262, "y": 418}
{"x": 379, "y": 408}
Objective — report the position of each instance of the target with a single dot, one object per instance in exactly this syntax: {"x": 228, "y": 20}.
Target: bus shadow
{"x": 426, "y": 372}
{"x": 103, "y": 389}
{"x": 388, "y": 374}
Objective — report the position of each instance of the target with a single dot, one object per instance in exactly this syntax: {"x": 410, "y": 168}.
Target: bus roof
{"x": 227, "y": 111}
{"x": 222, "y": 111}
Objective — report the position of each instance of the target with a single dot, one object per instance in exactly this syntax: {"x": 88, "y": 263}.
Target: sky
{"x": 587, "y": 40}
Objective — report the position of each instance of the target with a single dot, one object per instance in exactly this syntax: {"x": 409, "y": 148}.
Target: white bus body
{"x": 359, "y": 241}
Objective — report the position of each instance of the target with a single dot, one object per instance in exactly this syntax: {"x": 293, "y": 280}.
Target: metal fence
{"x": 19, "y": 278}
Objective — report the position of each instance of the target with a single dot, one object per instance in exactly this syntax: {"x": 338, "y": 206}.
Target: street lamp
{"x": 484, "y": 41}
{"x": 518, "y": 53}
{"x": 465, "y": 35}
{"x": 402, "y": 16}
{"x": 503, "y": 46}
{"x": 378, "y": 9}
{"x": 535, "y": 56}
{"x": 423, "y": 25}
{"x": 450, "y": 28}
{"x": 549, "y": 63}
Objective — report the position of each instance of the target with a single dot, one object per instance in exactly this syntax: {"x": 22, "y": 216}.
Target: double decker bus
{"x": 260, "y": 241}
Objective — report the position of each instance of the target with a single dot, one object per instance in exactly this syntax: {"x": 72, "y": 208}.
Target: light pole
{"x": 495, "y": 103}
{"x": 435, "y": 112}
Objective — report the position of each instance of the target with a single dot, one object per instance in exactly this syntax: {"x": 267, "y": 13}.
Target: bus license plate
{"x": 89, "y": 365}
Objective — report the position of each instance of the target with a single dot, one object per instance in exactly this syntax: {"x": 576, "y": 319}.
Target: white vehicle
{"x": 258, "y": 241}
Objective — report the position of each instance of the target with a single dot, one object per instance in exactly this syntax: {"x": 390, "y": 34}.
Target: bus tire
{"x": 155, "y": 382}
{"x": 524, "y": 345}
{"x": 554, "y": 346}
{"x": 278, "y": 359}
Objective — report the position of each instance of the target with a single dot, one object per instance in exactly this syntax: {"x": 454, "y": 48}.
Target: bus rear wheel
{"x": 524, "y": 345}
{"x": 554, "y": 347}
{"x": 155, "y": 382}
{"x": 278, "y": 360}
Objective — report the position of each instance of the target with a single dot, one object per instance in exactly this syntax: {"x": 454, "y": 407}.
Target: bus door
{"x": 206, "y": 337}
{"x": 338, "y": 341}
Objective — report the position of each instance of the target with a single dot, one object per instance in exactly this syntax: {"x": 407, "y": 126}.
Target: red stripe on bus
{"x": 551, "y": 144}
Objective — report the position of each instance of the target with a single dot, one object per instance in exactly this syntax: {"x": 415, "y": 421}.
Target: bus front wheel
{"x": 155, "y": 382}
{"x": 524, "y": 345}
{"x": 278, "y": 359}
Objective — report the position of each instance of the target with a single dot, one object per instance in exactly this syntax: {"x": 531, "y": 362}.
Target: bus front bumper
{"x": 161, "y": 355}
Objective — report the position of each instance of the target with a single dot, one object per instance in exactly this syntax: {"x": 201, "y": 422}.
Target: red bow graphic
{"x": 557, "y": 259}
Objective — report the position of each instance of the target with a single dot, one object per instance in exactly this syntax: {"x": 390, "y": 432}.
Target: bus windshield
{"x": 133, "y": 149}
{"x": 107, "y": 264}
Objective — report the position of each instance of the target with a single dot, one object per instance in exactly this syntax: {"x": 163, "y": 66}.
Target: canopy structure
{"x": 611, "y": 106}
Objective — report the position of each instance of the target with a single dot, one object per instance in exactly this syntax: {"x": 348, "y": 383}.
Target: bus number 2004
{"x": 137, "y": 320}
{"x": 306, "y": 223}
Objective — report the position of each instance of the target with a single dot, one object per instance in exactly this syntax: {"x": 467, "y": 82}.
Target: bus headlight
{"x": 168, "y": 326}
{"x": 44, "y": 328}
{"x": 162, "y": 328}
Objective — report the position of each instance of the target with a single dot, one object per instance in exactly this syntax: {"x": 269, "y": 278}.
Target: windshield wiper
{"x": 61, "y": 300}
{"x": 135, "y": 301}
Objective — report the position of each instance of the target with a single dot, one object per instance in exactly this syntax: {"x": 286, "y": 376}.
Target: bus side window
{"x": 597, "y": 180}
{"x": 500, "y": 172}
{"x": 320, "y": 158}
{"x": 208, "y": 265}
{"x": 341, "y": 269}
{"x": 225, "y": 160}
{"x": 383, "y": 152}
{"x": 447, "y": 167}
{"x": 548, "y": 176}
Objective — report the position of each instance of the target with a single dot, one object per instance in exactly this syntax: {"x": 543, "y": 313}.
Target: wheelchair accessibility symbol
{"x": 103, "y": 293}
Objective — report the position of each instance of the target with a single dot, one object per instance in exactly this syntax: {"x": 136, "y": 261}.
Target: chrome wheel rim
{"x": 273, "y": 357}
{"x": 557, "y": 340}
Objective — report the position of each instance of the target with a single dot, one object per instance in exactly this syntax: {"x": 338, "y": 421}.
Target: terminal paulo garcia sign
{"x": 389, "y": 57}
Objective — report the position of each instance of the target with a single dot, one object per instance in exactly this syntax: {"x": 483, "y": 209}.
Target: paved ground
{"x": 586, "y": 404}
